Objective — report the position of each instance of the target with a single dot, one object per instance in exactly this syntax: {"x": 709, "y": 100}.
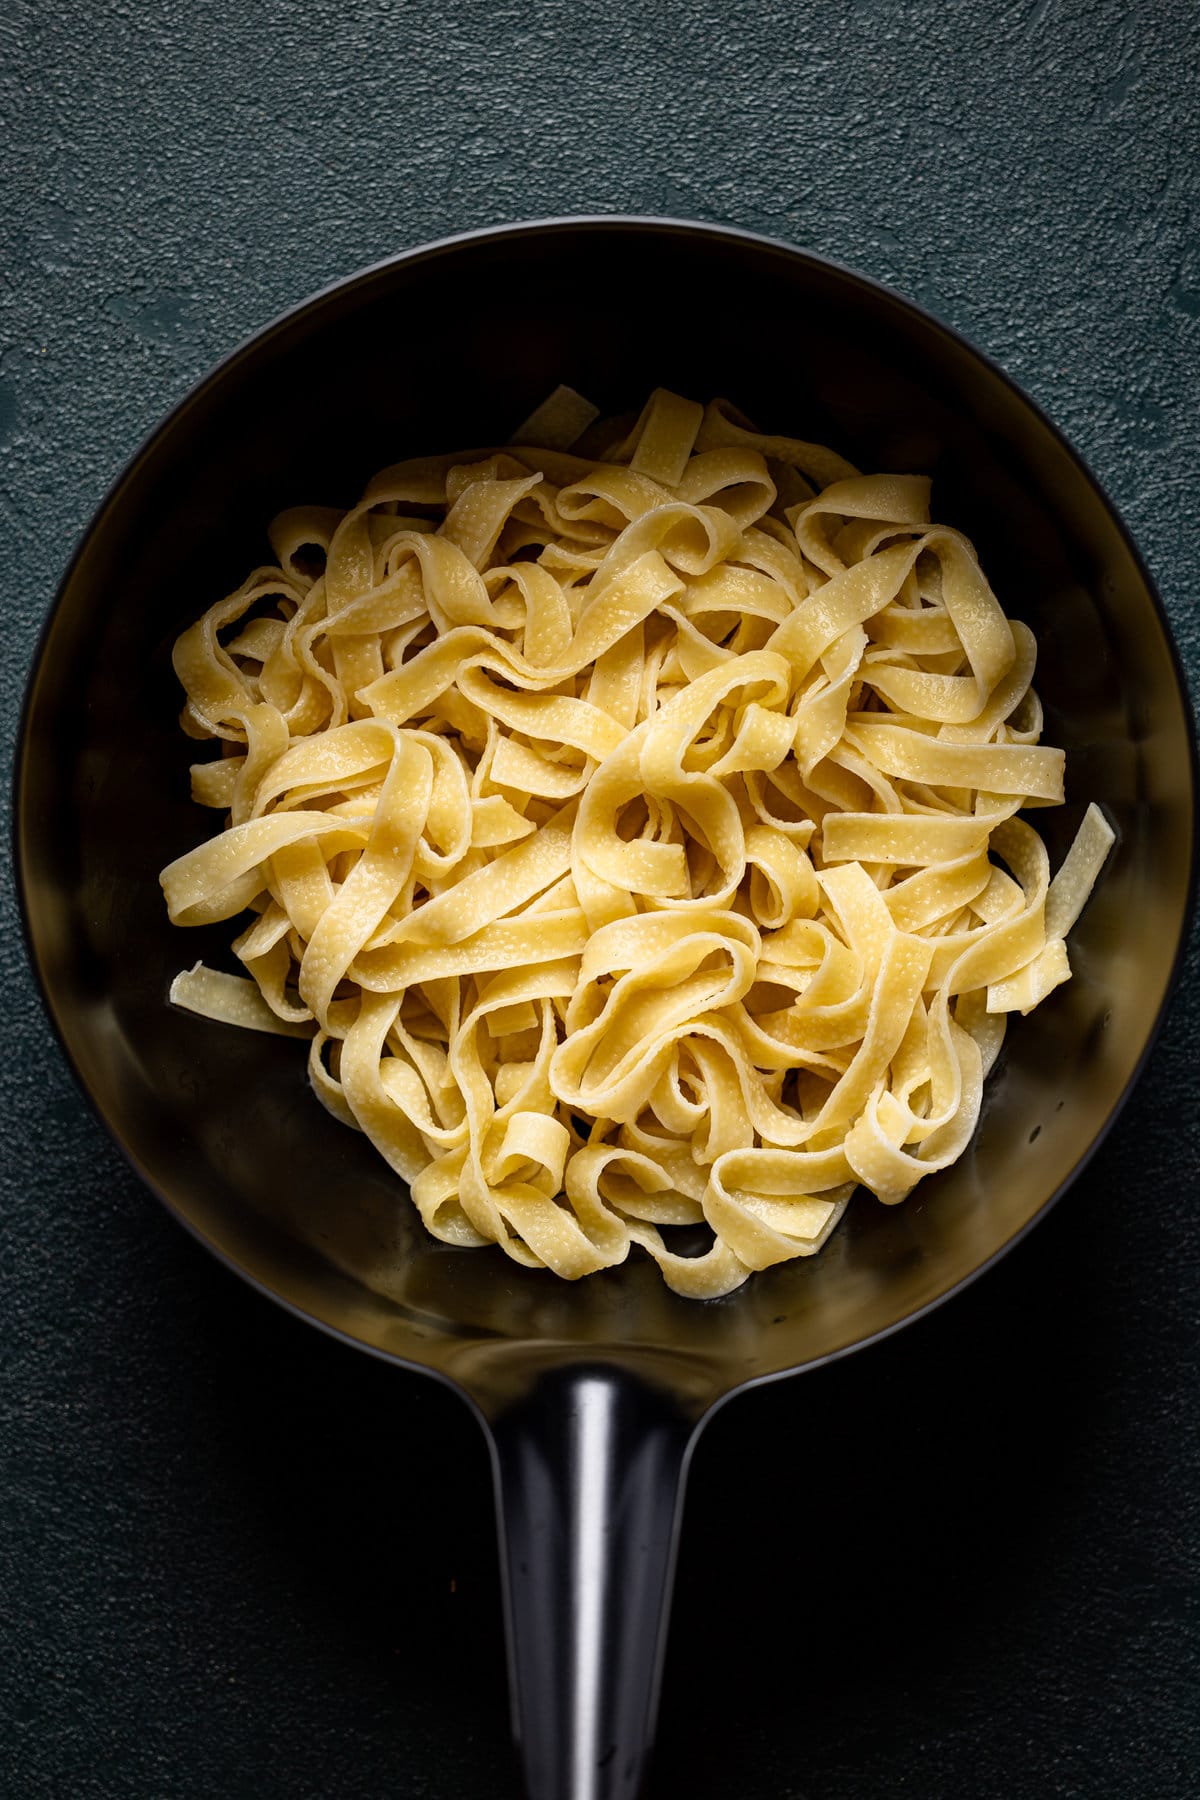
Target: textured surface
{"x": 235, "y": 1558}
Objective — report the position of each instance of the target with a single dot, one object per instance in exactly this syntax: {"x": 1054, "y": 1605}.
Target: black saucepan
{"x": 591, "y": 1395}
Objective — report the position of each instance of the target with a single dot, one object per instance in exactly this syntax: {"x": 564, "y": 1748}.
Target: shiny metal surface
{"x": 221, "y": 1124}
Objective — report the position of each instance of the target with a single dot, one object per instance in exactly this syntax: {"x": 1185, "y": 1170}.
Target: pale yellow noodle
{"x": 634, "y": 835}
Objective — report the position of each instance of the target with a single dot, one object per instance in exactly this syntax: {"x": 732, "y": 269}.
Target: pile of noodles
{"x": 633, "y": 832}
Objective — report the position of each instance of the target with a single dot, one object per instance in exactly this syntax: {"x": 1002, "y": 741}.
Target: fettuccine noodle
{"x": 633, "y": 833}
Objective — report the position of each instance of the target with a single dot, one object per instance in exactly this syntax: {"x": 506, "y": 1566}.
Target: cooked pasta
{"x": 634, "y": 832}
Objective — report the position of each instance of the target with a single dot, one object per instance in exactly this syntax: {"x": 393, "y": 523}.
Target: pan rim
{"x": 256, "y": 343}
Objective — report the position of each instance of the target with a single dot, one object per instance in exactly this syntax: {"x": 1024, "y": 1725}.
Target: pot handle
{"x": 590, "y": 1467}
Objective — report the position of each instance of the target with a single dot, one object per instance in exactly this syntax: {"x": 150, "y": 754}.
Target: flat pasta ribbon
{"x": 633, "y": 834}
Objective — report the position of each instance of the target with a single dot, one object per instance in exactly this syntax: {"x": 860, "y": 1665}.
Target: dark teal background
{"x": 237, "y": 1560}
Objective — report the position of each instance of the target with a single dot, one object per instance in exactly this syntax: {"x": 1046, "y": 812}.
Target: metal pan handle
{"x": 590, "y": 1467}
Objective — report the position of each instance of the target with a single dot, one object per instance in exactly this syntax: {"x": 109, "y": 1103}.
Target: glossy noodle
{"x": 633, "y": 830}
